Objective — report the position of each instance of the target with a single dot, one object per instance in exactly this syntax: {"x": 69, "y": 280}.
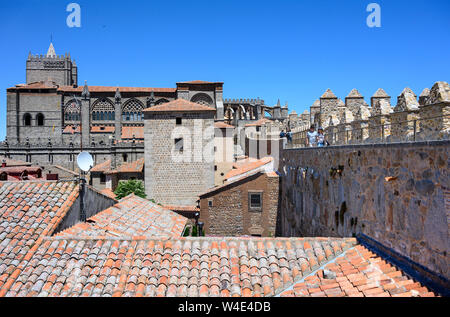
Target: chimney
{"x": 4, "y": 163}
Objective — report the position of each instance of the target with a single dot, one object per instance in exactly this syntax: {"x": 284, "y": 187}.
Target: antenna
{"x": 85, "y": 161}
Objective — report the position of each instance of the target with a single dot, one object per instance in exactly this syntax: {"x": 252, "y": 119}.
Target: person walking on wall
{"x": 321, "y": 138}
{"x": 311, "y": 137}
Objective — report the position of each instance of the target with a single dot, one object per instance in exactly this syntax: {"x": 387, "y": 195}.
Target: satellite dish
{"x": 85, "y": 161}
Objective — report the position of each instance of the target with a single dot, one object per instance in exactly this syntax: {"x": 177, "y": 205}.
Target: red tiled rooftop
{"x": 128, "y": 132}
{"x": 199, "y": 267}
{"x": 131, "y": 216}
{"x": 11, "y": 162}
{"x": 103, "y": 129}
{"x": 258, "y": 123}
{"x": 72, "y": 129}
{"x": 112, "y": 89}
{"x": 247, "y": 166}
{"x": 102, "y": 167}
{"x": 223, "y": 125}
{"x": 132, "y": 167}
{"x": 28, "y": 211}
{"x": 180, "y": 105}
{"x": 108, "y": 192}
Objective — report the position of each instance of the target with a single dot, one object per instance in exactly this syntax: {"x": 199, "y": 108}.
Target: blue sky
{"x": 288, "y": 49}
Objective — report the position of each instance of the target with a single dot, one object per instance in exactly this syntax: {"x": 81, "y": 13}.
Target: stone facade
{"x": 225, "y": 210}
{"x": 175, "y": 177}
{"x": 394, "y": 193}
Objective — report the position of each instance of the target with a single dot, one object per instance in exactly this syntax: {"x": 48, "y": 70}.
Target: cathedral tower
{"x": 51, "y": 67}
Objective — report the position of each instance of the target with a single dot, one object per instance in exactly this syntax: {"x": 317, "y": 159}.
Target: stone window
{"x": 40, "y": 119}
{"x": 210, "y": 202}
{"x": 27, "y": 119}
{"x": 255, "y": 201}
{"x": 202, "y": 99}
{"x": 103, "y": 110}
{"x": 132, "y": 110}
{"x": 125, "y": 157}
{"x": 72, "y": 111}
{"x": 179, "y": 121}
{"x": 179, "y": 144}
{"x": 102, "y": 178}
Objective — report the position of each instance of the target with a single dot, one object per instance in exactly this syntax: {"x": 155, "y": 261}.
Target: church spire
{"x": 51, "y": 51}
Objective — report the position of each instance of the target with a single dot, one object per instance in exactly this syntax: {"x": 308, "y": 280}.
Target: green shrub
{"x": 132, "y": 186}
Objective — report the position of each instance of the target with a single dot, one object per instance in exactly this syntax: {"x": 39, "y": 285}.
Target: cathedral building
{"x": 50, "y": 117}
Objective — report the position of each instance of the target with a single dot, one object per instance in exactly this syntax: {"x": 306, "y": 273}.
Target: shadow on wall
{"x": 393, "y": 193}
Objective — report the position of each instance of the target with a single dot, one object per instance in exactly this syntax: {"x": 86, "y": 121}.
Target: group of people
{"x": 313, "y": 138}
{"x": 287, "y": 135}
{"x": 316, "y": 138}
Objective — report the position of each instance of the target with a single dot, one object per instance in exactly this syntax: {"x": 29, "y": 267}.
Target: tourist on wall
{"x": 321, "y": 141}
{"x": 311, "y": 137}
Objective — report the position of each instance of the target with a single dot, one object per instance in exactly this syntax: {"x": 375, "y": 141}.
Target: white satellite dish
{"x": 85, "y": 161}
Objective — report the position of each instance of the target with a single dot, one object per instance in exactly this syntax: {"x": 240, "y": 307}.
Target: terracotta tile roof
{"x": 28, "y": 211}
{"x": 181, "y": 267}
{"x": 179, "y": 105}
{"x": 358, "y": 273}
{"x": 103, "y": 129}
{"x": 132, "y": 167}
{"x": 199, "y": 82}
{"x": 36, "y": 85}
{"x": 72, "y": 129}
{"x": 128, "y": 132}
{"x": 131, "y": 216}
{"x": 108, "y": 192}
{"x": 102, "y": 167}
{"x": 247, "y": 166}
{"x": 113, "y": 89}
{"x": 182, "y": 208}
{"x": 223, "y": 125}
{"x": 258, "y": 123}
{"x": 11, "y": 162}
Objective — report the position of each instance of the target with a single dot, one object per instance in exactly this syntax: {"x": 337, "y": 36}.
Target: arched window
{"x": 132, "y": 110}
{"x": 40, "y": 119}
{"x": 202, "y": 99}
{"x": 27, "y": 119}
{"x": 72, "y": 111}
{"x": 103, "y": 110}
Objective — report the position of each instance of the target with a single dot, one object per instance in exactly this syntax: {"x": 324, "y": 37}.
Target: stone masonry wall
{"x": 230, "y": 215}
{"x": 394, "y": 193}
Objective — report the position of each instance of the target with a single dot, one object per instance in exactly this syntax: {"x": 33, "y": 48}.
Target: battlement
{"x": 411, "y": 119}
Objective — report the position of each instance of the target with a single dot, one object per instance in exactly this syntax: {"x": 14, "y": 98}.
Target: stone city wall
{"x": 394, "y": 193}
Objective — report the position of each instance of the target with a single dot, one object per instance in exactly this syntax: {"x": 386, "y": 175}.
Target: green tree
{"x": 126, "y": 188}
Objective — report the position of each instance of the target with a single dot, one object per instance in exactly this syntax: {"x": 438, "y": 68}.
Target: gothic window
{"x": 72, "y": 111}
{"x": 40, "y": 119}
{"x": 103, "y": 110}
{"x": 132, "y": 110}
{"x": 202, "y": 99}
{"x": 27, "y": 119}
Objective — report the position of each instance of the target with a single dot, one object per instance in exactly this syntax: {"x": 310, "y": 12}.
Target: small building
{"x": 103, "y": 176}
{"x": 245, "y": 206}
{"x": 15, "y": 170}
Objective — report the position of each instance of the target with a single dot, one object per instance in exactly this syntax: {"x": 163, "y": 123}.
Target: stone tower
{"x": 179, "y": 152}
{"x": 51, "y": 67}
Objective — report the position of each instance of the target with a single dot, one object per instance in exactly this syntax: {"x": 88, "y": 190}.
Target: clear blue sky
{"x": 288, "y": 49}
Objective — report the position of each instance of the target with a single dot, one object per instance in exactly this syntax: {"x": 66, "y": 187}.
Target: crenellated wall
{"x": 394, "y": 193}
{"x": 354, "y": 122}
